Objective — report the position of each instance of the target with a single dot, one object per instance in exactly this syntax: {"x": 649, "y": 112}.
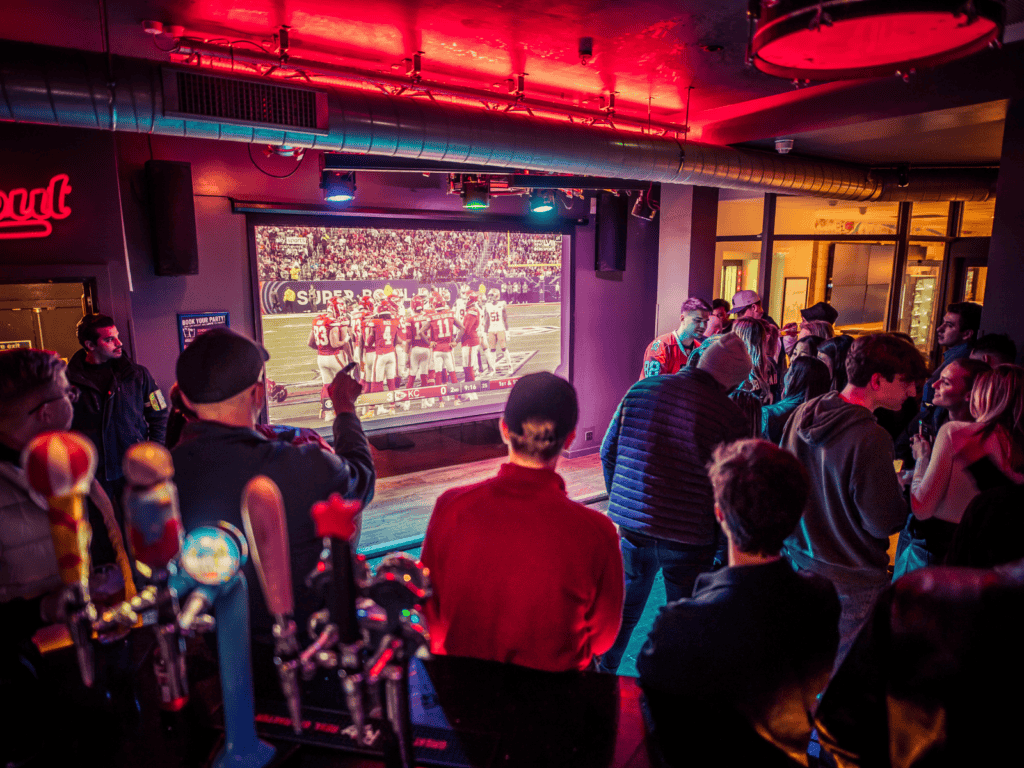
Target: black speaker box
{"x": 172, "y": 216}
{"x": 610, "y": 239}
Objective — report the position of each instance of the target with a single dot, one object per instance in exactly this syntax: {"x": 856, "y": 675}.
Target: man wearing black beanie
{"x": 221, "y": 378}
{"x": 521, "y": 573}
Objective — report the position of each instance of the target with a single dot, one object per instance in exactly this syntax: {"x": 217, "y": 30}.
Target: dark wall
{"x": 613, "y": 321}
{"x": 1003, "y": 311}
{"x": 84, "y": 241}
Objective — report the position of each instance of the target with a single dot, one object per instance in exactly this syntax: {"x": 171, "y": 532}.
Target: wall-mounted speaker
{"x": 172, "y": 216}
{"x": 610, "y": 238}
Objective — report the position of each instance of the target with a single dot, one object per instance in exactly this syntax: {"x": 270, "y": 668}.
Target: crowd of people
{"x": 762, "y": 470}
{"x": 425, "y": 255}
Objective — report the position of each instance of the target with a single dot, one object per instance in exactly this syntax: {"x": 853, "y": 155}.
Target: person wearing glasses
{"x": 35, "y": 397}
{"x": 120, "y": 403}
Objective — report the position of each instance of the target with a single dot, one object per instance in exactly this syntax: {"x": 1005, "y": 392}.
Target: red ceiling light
{"x": 845, "y": 39}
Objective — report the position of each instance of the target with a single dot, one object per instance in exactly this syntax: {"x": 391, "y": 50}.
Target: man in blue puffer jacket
{"x": 655, "y": 457}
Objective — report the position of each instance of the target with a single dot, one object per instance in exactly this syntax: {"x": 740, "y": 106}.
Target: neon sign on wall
{"x": 26, "y": 213}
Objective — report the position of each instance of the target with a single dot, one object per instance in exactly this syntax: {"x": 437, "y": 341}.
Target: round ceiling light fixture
{"x": 848, "y": 39}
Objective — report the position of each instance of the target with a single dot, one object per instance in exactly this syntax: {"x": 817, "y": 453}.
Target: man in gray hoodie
{"x": 856, "y": 501}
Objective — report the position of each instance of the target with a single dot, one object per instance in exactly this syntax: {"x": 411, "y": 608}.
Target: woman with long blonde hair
{"x": 762, "y": 345}
{"x": 942, "y": 486}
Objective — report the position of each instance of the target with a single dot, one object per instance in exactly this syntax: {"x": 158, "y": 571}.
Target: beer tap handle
{"x": 152, "y": 516}
{"x": 335, "y": 519}
{"x": 263, "y": 516}
{"x": 212, "y": 557}
{"x": 60, "y": 466}
{"x": 155, "y": 535}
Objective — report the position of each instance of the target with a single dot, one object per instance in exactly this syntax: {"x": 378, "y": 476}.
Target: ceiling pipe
{"x": 61, "y": 87}
{"x": 189, "y": 46}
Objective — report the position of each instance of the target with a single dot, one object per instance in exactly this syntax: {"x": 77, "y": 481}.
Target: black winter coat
{"x": 656, "y": 451}
{"x": 132, "y": 411}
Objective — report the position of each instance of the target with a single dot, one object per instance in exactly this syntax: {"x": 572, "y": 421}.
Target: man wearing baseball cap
{"x": 221, "y": 378}
{"x": 521, "y": 573}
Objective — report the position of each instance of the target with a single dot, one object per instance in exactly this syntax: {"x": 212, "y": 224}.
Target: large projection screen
{"x": 362, "y": 280}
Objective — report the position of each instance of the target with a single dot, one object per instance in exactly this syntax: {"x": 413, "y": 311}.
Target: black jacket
{"x": 656, "y": 451}
{"x": 735, "y": 670}
{"x": 132, "y": 411}
{"x": 213, "y": 462}
{"x": 934, "y": 675}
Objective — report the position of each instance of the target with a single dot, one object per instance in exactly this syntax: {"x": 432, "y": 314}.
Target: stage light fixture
{"x": 338, "y": 186}
{"x": 542, "y": 202}
{"x": 476, "y": 195}
{"x": 846, "y": 39}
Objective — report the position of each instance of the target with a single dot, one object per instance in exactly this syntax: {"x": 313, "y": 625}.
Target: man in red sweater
{"x": 521, "y": 573}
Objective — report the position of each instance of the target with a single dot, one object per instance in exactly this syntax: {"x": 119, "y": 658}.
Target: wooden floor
{"x": 397, "y": 518}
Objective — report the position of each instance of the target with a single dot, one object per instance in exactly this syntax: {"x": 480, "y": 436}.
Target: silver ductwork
{"x": 67, "y": 88}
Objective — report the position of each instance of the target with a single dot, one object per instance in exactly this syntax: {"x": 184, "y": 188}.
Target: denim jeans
{"x": 642, "y": 556}
{"x": 856, "y": 604}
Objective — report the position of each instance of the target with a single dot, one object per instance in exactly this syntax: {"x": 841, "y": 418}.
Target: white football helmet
{"x": 446, "y": 295}
{"x": 378, "y": 296}
{"x": 493, "y": 295}
{"x": 463, "y": 291}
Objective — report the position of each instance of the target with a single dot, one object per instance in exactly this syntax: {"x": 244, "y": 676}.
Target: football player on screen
{"x": 329, "y": 337}
{"x": 471, "y": 340}
{"x": 443, "y": 326}
{"x": 417, "y": 331}
{"x": 496, "y": 317}
{"x": 383, "y": 337}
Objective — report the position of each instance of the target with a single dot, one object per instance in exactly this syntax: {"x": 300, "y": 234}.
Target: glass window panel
{"x": 799, "y": 268}
{"x": 818, "y": 215}
{"x": 929, "y": 219}
{"x": 974, "y": 284}
{"x": 861, "y": 273}
{"x": 978, "y": 219}
{"x": 736, "y": 267}
{"x": 740, "y": 217}
{"x": 919, "y": 304}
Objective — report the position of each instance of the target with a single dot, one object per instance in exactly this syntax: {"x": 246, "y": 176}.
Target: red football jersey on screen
{"x": 367, "y": 332}
{"x": 357, "y": 329}
{"x": 384, "y": 332}
{"x": 411, "y": 324}
{"x": 442, "y": 328}
{"x": 471, "y": 327}
{"x": 322, "y": 334}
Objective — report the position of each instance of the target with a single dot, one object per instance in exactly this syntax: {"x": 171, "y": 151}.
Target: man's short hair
{"x": 694, "y": 304}
{"x": 89, "y": 326}
{"x": 720, "y": 304}
{"x": 998, "y": 344}
{"x": 885, "y": 354}
{"x": 969, "y": 313}
{"x": 24, "y": 372}
{"x": 761, "y": 490}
